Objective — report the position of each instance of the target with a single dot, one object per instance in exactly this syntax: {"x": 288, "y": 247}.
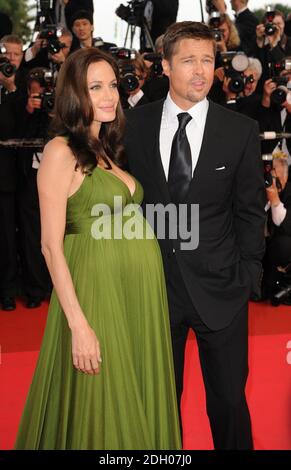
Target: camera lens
{"x": 270, "y": 29}
{"x": 129, "y": 82}
{"x": 279, "y": 95}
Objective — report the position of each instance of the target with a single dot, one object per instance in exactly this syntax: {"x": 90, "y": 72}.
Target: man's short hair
{"x": 185, "y": 30}
{"x": 255, "y": 64}
{"x": 12, "y": 39}
{"x": 67, "y": 32}
{"x": 81, "y": 15}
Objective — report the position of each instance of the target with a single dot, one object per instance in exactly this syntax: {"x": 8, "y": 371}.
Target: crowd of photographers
{"x": 252, "y": 76}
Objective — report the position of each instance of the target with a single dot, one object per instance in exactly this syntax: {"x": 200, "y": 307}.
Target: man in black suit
{"x": 216, "y": 164}
{"x": 278, "y": 252}
{"x": 245, "y": 21}
{"x": 11, "y": 100}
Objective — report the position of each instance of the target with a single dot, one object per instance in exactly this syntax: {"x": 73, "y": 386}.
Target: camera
{"x": 51, "y": 34}
{"x": 156, "y": 60}
{"x": 46, "y": 80}
{"x": 6, "y": 68}
{"x": 133, "y": 13}
{"x": 234, "y": 64}
{"x": 283, "y": 89}
{"x": 270, "y": 28}
{"x": 210, "y": 8}
{"x": 282, "y": 290}
{"x": 268, "y": 167}
{"x": 214, "y": 23}
{"x": 128, "y": 79}
{"x": 282, "y": 92}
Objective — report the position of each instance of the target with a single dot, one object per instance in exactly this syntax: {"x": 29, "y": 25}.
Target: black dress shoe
{"x": 33, "y": 302}
{"x": 8, "y": 303}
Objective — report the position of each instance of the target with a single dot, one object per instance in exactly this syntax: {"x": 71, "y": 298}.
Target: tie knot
{"x": 184, "y": 118}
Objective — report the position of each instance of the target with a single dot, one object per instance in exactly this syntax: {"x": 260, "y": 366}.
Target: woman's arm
{"x": 56, "y": 177}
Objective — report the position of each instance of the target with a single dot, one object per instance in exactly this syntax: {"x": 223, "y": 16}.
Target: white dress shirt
{"x": 194, "y": 130}
{"x": 134, "y": 99}
{"x": 278, "y": 212}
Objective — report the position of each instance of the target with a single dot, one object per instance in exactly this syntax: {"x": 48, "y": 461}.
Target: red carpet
{"x": 268, "y": 390}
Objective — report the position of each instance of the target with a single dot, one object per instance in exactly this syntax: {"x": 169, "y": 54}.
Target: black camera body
{"x": 268, "y": 167}
{"x": 156, "y": 60}
{"x": 279, "y": 95}
{"x": 48, "y": 96}
{"x": 270, "y": 28}
{"x": 234, "y": 64}
{"x": 51, "y": 33}
{"x": 128, "y": 79}
{"x": 210, "y": 8}
{"x": 214, "y": 24}
{"x": 6, "y": 68}
{"x": 133, "y": 14}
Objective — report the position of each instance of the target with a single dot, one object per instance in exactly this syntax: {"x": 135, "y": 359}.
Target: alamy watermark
{"x": 170, "y": 221}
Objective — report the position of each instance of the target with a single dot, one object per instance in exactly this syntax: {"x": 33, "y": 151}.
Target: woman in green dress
{"x": 104, "y": 377}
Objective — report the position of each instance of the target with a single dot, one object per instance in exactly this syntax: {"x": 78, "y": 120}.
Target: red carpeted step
{"x": 268, "y": 390}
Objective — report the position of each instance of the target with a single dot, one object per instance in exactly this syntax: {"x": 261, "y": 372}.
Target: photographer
{"x": 272, "y": 43}
{"x": 65, "y": 9}
{"x": 44, "y": 51}
{"x": 12, "y": 50}
{"x": 11, "y": 101}
{"x": 83, "y": 27}
{"x": 156, "y": 86}
{"x": 35, "y": 120}
{"x": 276, "y": 113}
{"x": 245, "y": 100}
{"x": 227, "y": 38}
{"x": 136, "y": 97}
{"x": 278, "y": 252}
{"x": 245, "y": 21}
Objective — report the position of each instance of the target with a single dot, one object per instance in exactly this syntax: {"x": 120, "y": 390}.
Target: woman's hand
{"x": 85, "y": 349}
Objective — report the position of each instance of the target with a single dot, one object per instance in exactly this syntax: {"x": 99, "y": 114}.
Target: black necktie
{"x": 180, "y": 169}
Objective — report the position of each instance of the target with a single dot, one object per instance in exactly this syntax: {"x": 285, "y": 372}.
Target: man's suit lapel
{"x": 207, "y": 159}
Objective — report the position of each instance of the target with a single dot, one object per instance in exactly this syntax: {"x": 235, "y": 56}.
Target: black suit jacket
{"x": 164, "y": 14}
{"x": 246, "y": 24}
{"x": 285, "y": 227}
{"x": 220, "y": 273}
{"x": 270, "y": 120}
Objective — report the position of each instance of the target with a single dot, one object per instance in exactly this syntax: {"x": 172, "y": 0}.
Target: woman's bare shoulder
{"x": 58, "y": 152}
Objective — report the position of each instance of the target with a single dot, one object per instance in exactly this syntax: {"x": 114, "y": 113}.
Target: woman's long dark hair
{"x": 73, "y": 113}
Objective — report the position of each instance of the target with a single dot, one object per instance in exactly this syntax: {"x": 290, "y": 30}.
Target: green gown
{"x": 131, "y": 403}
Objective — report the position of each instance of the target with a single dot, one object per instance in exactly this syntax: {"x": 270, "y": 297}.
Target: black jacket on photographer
{"x": 247, "y": 105}
{"x": 270, "y": 119}
{"x": 164, "y": 14}
{"x": 246, "y": 23}
{"x": 278, "y": 247}
{"x": 276, "y": 55}
{"x": 36, "y": 282}
{"x": 10, "y": 104}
